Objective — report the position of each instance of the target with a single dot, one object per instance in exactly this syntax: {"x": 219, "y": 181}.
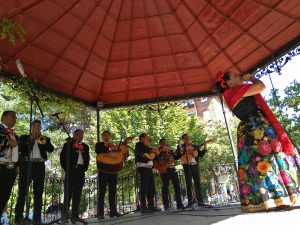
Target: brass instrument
{"x": 42, "y": 140}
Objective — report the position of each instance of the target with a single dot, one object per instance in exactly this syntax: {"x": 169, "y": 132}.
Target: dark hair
{"x": 106, "y": 132}
{"x": 182, "y": 136}
{"x": 142, "y": 135}
{"x": 36, "y": 121}
{"x": 225, "y": 78}
{"x": 161, "y": 140}
{"x": 77, "y": 130}
{"x": 6, "y": 113}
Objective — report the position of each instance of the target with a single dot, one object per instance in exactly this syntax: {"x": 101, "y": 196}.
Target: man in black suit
{"x": 34, "y": 150}
{"x": 8, "y": 163}
{"x": 106, "y": 179}
{"x": 75, "y": 163}
{"x": 143, "y": 158}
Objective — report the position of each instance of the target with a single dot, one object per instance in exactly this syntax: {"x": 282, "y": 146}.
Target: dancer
{"x": 268, "y": 166}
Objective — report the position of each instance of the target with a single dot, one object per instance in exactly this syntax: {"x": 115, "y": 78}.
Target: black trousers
{"x": 75, "y": 180}
{"x": 147, "y": 187}
{"x": 192, "y": 172}
{"x": 105, "y": 179}
{"x": 7, "y": 180}
{"x": 170, "y": 175}
{"x": 37, "y": 176}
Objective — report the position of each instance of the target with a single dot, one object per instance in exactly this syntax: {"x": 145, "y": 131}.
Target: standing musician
{"x": 75, "y": 168}
{"x": 33, "y": 150}
{"x": 106, "y": 176}
{"x": 167, "y": 157}
{"x": 8, "y": 156}
{"x": 144, "y": 156}
{"x": 190, "y": 155}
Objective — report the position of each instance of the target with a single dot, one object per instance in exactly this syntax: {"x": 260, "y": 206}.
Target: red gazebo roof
{"x": 116, "y": 51}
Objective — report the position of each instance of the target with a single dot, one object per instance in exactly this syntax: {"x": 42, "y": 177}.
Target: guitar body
{"x": 186, "y": 160}
{"x": 112, "y": 162}
{"x": 110, "y": 168}
{"x": 161, "y": 165}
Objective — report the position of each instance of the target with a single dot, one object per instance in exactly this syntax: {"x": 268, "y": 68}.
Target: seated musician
{"x": 144, "y": 156}
{"x": 106, "y": 178}
{"x": 167, "y": 157}
{"x": 190, "y": 155}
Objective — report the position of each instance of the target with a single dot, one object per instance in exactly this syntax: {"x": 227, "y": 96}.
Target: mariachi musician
{"x": 144, "y": 156}
{"x": 75, "y": 163}
{"x": 110, "y": 159}
{"x": 190, "y": 155}
{"x": 8, "y": 156}
{"x": 165, "y": 165}
{"x": 33, "y": 150}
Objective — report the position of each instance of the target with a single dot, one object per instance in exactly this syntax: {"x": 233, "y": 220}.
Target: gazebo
{"x": 125, "y": 52}
{"x": 111, "y": 53}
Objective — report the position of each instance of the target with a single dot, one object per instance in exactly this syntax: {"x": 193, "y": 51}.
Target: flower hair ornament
{"x": 220, "y": 79}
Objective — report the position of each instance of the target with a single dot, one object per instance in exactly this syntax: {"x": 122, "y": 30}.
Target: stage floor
{"x": 230, "y": 215}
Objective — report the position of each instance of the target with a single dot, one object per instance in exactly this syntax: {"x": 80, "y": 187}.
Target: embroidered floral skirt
{"x": 268, "y": 178}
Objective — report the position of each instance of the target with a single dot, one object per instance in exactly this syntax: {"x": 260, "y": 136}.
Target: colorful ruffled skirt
{"x": 268, "y": 178}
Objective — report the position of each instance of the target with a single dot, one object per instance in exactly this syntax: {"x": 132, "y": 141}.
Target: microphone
{"x": 56, "y": 114}
{"x": 20, "y": 68}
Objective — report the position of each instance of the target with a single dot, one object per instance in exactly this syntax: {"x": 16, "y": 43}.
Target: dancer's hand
{"x": 247, "y": 77}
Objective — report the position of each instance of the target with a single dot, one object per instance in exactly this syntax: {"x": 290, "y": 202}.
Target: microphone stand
{"x": 66, "y": 191}
{"x": 33, "y": 99}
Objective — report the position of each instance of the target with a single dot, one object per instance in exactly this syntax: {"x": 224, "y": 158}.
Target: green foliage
{"x": 12, "y": 30}
{"x": 287, "y": 109}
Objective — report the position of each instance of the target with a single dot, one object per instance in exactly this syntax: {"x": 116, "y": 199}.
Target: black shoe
{"x": 100, "y": 217}
{"x": 146, "y": 211}
{"x": 116, "y": 214}
{"x": 189, "y": 205}
{"x": 201, "y": 204}
{"x": 155, "y": 210}
{"x": 64, "y": 220}
{"x": 181, "y": 207}
{"x": 77, "y": 219}
{"x": 166, "y": 208}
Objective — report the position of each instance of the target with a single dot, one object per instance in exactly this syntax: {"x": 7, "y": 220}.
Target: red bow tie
{"x": 79, "y": 147}
{"x": 10, "y": 131}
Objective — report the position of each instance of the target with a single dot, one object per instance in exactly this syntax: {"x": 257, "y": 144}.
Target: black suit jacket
{"x": 74, "y": 156}
{"x": 26, "y": 143}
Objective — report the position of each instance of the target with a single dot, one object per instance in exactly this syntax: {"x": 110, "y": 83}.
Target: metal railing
{"x": 218, "y": 184}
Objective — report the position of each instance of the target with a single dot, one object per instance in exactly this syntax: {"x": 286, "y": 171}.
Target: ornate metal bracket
{"x": 277, "y": 64}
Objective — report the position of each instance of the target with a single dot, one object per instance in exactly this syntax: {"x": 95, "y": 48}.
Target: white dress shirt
{"x": 10, "y": 152}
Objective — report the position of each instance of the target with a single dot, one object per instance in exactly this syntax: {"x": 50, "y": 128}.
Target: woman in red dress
{"x": 268, "y": 164}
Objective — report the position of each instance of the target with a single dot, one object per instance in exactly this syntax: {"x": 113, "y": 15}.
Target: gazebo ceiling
{"x": 116, "y": 51}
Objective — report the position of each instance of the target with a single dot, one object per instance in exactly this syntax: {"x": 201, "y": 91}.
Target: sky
{"x": 289, "y": 73}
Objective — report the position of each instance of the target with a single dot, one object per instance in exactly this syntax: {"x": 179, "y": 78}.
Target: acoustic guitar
{"x": 189, "y": 152}
{"x": 112, "y": 162}
{"x": 162, "y": 164}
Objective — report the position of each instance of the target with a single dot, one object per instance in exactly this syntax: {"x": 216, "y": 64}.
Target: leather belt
{"x": 34, "y": 160}
{"x": 191, "y": 163}
{"x": 4, "y": 163}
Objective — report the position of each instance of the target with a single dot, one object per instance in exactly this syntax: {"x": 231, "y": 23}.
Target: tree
{"x": 287, "y": 109}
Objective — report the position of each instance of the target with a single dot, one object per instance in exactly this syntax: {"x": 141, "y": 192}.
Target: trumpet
{"x": 42, "y": 140}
